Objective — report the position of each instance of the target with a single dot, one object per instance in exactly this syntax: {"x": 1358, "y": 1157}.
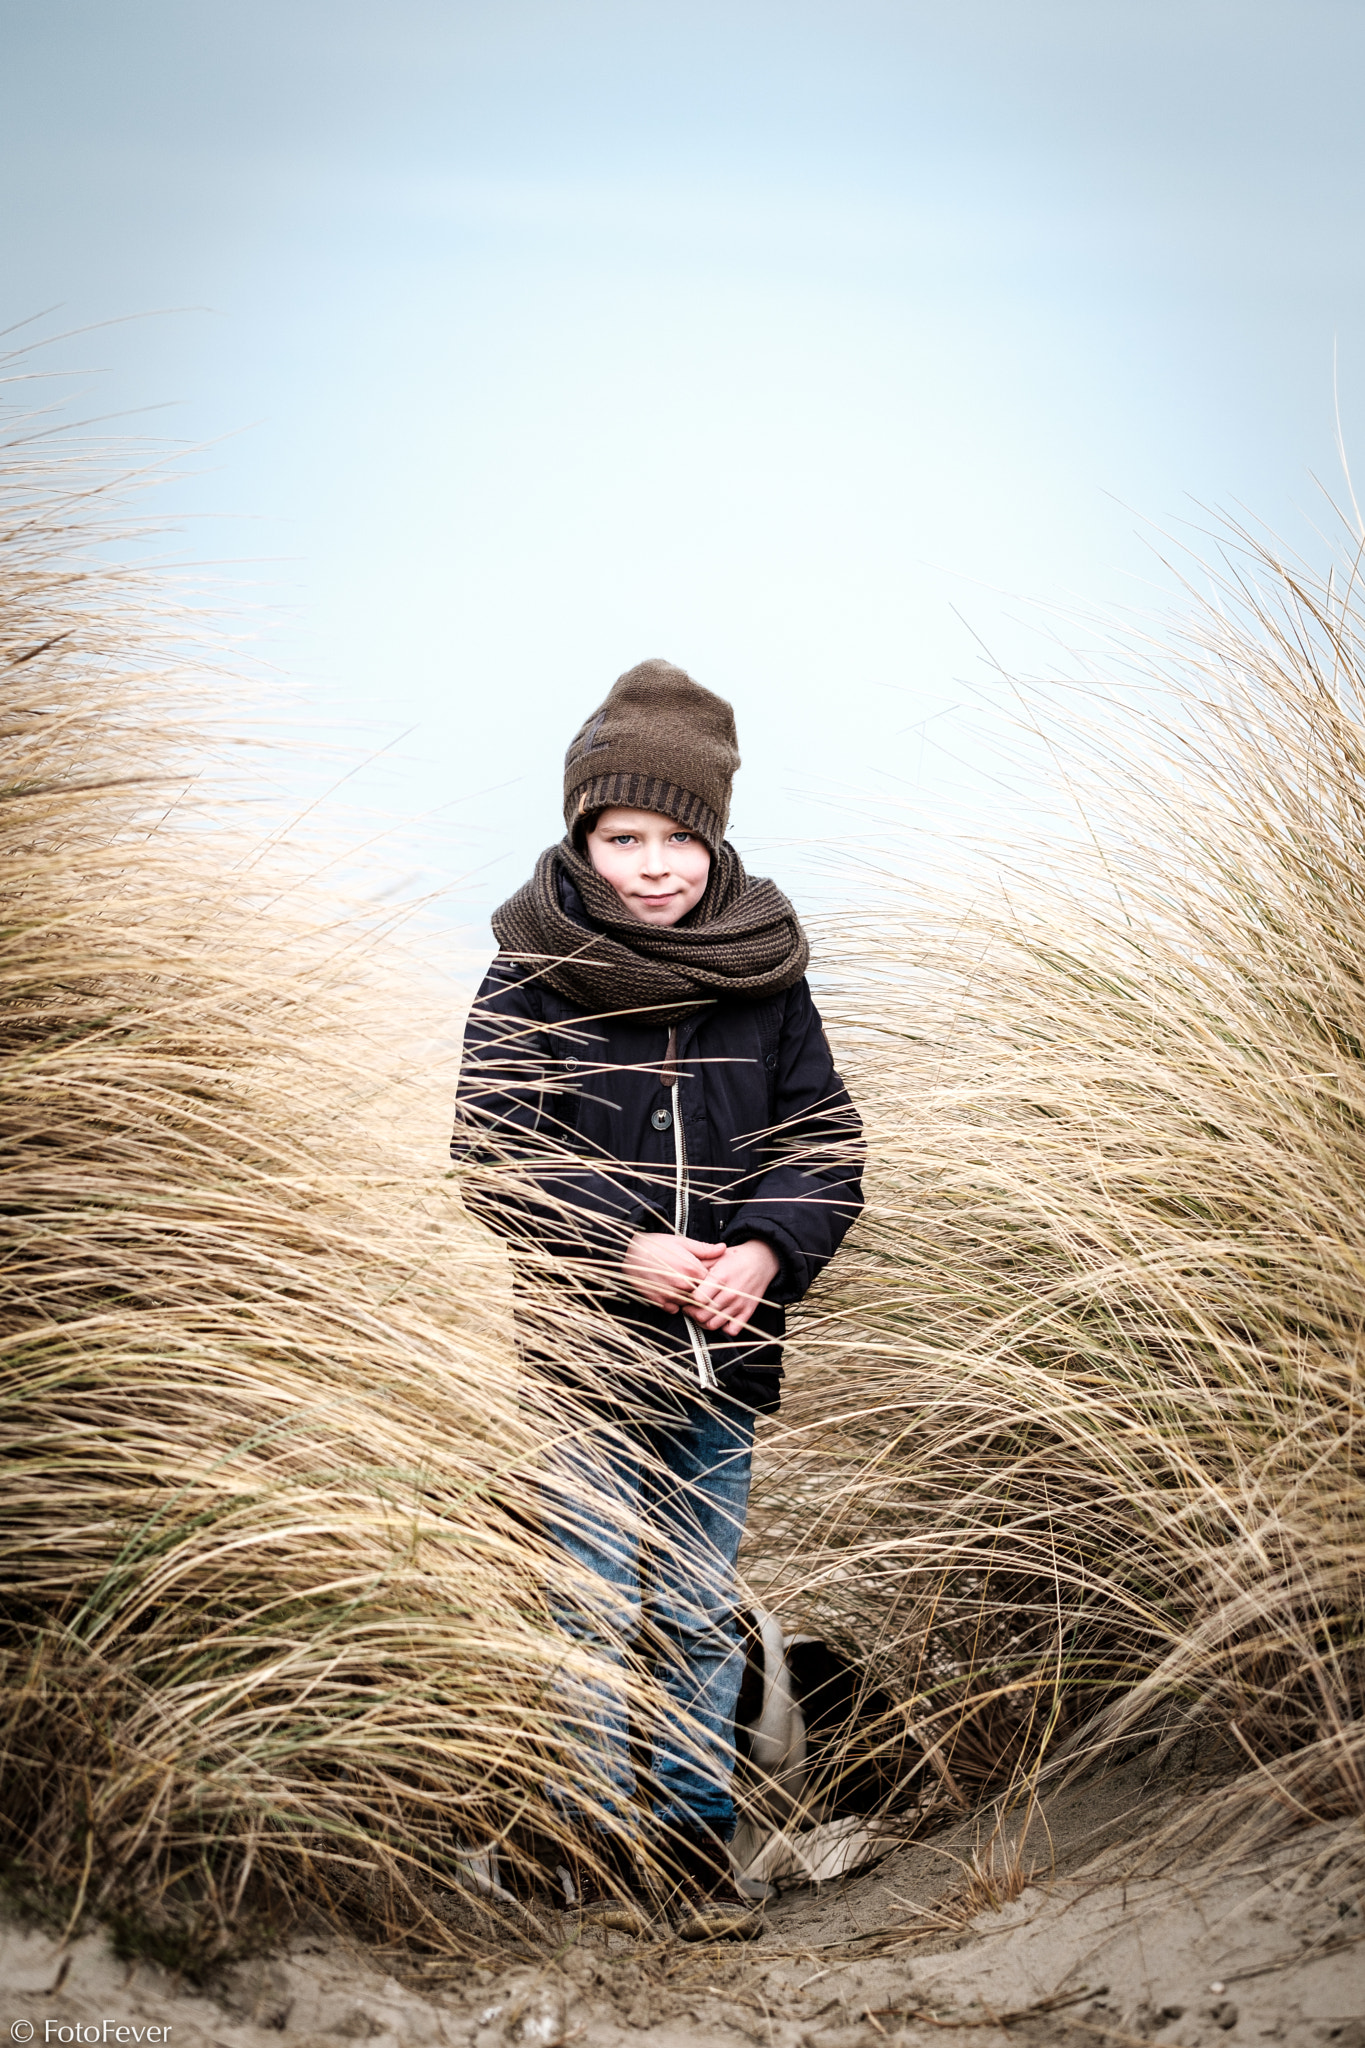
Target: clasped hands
{"x": 718, "y": 1285}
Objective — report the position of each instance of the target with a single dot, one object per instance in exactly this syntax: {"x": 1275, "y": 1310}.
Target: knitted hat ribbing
{"x": 658, "y": 742}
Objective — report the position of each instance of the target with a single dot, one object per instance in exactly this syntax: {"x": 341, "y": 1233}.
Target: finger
{"x": 738, "y": 1309}
{"x": 725, "y": 1309}
{"x": 729, "y": 1319}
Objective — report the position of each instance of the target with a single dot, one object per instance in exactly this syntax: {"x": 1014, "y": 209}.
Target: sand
{"x": 1115, "y": 1938}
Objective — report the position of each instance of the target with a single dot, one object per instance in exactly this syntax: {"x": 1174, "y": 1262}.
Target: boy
{"x": 646, "y": 1075}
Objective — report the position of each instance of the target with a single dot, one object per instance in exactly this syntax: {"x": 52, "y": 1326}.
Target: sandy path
{"x": 1269, "y": 1949}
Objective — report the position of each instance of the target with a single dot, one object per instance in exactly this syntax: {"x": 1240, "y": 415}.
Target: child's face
{"x": 658, "y": 869}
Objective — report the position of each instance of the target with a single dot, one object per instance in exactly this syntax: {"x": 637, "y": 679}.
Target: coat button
{"x": 771, "y": 1061}
{"x": 662, "y": 1119}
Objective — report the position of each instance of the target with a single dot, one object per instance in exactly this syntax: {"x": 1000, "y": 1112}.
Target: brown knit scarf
{"x": 742, "y": 939}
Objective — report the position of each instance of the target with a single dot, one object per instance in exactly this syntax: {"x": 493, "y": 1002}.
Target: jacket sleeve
{"x": 514, "y": 1141}
{"x": 805, "y": 1201}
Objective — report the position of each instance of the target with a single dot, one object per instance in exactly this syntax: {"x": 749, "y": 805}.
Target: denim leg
{"x": 591, "y": 1501}
{"x": 694, "y": 1492}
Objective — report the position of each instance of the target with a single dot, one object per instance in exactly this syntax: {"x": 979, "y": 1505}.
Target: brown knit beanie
{"x": 659, "y": 742}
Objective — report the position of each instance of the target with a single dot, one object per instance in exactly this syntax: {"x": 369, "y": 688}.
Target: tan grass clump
{"x": 1078, "y": 1442}
{"x": 275, "y": 1636}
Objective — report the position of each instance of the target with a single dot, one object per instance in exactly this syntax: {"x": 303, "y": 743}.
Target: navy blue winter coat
{"x": 583, "y": 1106}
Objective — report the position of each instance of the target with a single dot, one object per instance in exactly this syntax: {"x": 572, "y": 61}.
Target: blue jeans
{"x": 654, "y": 1511}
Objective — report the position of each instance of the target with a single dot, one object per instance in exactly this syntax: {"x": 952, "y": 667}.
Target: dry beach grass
{"x": 1092, "y": 1378}
{"x": 274, "y": 1626}
{"x": 1073, "y": 1437}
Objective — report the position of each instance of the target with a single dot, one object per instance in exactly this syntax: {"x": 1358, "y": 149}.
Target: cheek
{"x": 611, "y": 862}
{"x": 699, "y": 874}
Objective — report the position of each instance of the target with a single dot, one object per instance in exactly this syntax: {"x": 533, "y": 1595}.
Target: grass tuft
{"x": 275, "y": 1638}
{"x": 1076, "y": 1437}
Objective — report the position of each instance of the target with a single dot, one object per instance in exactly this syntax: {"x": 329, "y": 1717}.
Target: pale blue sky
{"x": 548, "y": 336}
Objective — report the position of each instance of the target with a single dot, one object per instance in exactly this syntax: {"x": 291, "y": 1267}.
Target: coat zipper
{"x": 682, "y": 1203}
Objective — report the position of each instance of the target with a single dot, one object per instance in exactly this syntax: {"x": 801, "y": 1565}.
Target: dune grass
{"x": 275, "y": 1633}
{"x": 1072, "y": 1435}
{"x": 1090, "y": 1381}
